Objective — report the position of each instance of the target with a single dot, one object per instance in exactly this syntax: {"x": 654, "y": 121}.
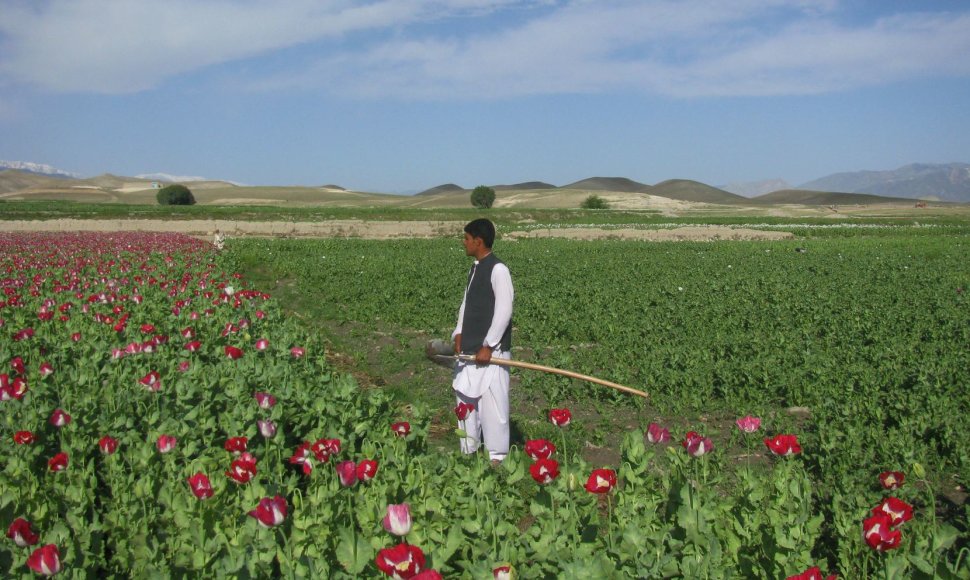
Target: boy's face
{"x": 472, "y": 244}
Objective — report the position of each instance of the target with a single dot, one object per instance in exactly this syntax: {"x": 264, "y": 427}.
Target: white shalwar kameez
{"x": 487, "y": 387}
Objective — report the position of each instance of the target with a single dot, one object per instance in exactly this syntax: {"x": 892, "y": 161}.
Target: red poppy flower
{"x": 21, "y": 533}
{"x": 601, "y": 481}
{"x": 429, "y": 574}
{"x": 813, "y": 573}
{"x": 262, "y": 344}
{"x": 23, "y": 438}
{"x": 539, "y": 449}
{"x": 560, "y": 417}
{"x": 187, "y": 332}
{"x": 463, "y": 409}
{"x": 544, "y": 470}
{"x": 200, "y": 485}
{"x": 17, "y": 364}
{"x": 166, "y": 443}
{"x": 297, "y": 352}
{"x": 147, "y": 328}
{"x": 783, "y": 445}
{"x": 879, "y": 534}
{"x": 58, "y": 462}
{"x": 184, "y": 366}
{"x": 45, "y": 561}
{"x": 193, "y": 346}
{"x": 347, "y": 472}
{"x": 401, "y": 429}
{"x": 270, "y": 512}
{"x": 366, "y": 470}
{"x": 401, "y": 561}
{"x": 503, "y": 572}
{"x": 236, "y": 445}
{"x": 897, "y": 510}
{"x": 302, "y": 457}
{"x": 324, "y": 448}
{"x": 242, "y": 469}
{"x": 892, "y": 480}
{"x": 697, "y": 445}
{"x": 59, "y": 418}
{"x": 233, "y": 353}
{"x": 108, "y": 445}
{"x": 46, "y": 369}
{"x": 152, "y": 381}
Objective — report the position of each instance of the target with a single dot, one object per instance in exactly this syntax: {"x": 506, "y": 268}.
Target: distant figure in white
{"x": 219, "y": 241}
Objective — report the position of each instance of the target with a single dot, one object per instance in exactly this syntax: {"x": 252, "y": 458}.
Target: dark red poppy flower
{"x": 166, "y": 443}
{"x": 813, "y": 573}
{"x": 58, "y": 462}
{"x": 697, "y": 445}
{"x": 236, "y": 445}
{"x": 463, "y": 409}
{"x": 891, "y": 480}
{"x": 46, "y": 369}
{"x": 242, "y": 469}
{"x": 783, "y": 444}
{"x": 59, "y": 418}
{"x": 17, "y": 364}
{"x": 897, "y": 510}
{"x": 46, "y": 560}
{"x": 265, "y": 400}
{"x": 21, "y": 533}
{"x": 879, "y": 534}
{"x": 544, "y": 470}
{"x": 324, "y": 448}
{"x": 401, "y": 429}
{"x": 657, "y": 434}
{"x": 108, "y": 445}
{"x": 560, "y": 417}
{"x": 366, "y": 470}
{"x": 347, "y": 472}
{"x": 23, "y": 438}
{"x": 402, "y": 561}
{"x": 302, "y": 457}
{"x": 601, "y": 481}
{"x": 152, "y": 381}
{"x": 200, "y": 485}
{"x": 193, "y": 346}
{"x": 539, "y": 449}
{"x": 270, "y": 512}
{"x": 233, "y": 353}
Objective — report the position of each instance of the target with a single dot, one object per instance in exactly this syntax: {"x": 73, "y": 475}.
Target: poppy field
{"x": 161, "y": 416}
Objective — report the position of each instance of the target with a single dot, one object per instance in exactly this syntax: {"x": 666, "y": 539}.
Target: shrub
{"x": 176, "y": 194}
{"x": 595, "y": 202}
{"x": 483, "y": 197}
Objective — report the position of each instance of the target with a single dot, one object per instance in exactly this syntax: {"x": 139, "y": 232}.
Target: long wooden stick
{"x": 532, "y": 366}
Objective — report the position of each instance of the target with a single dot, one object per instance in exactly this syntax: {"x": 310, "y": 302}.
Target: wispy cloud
{"x": 683, "y": 48}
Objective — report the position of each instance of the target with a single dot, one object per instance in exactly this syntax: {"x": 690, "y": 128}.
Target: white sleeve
{"x": 504, "y": 295}
{"x": 461, "y": 315}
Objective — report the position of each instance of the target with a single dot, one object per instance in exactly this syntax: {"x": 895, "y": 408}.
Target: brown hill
{"x": 808, "y": 197}
{"x": 16, "y": 180}
{"x": 620, "y": 184}
{"x": 446, "y": 188}
{"x": 527, "y": 186}
{"x": 687, "y": 190}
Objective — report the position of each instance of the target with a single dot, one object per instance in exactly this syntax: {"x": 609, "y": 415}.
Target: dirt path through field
{"x": 378, "y": 230}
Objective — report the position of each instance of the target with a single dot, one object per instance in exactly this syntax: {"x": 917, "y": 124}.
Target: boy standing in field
{"x": 484, "y": 331}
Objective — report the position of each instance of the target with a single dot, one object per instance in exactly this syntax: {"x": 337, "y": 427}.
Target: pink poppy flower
{"x": 166, "y": 443}
{"x": 657, "y": 434}
{"x": 398, "y": 519}
{"x": 696, "y": 445}
{"x": 266, "y": 428}
{"x": 270, "y": 512}
{"x": 59, "y": 418}
{"x": 297, "y": 352}
{"x": 265, "y": 400}
{"x": 748, "y": 424}
{"x": 262, "y": 344}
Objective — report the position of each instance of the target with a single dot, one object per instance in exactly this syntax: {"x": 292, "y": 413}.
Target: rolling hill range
{"x": 943, "y": 182}
{"x": 619, "y": 192}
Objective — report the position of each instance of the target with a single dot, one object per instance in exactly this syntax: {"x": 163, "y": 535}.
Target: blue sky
{"x": 403, "y": 95}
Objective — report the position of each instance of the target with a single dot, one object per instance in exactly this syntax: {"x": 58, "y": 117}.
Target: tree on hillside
{"x": 176, "y": 194}
{"x": 595, "y": 202}
{"x": 483, "y": 197}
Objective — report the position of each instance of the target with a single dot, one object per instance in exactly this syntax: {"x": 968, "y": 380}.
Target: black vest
{"x": 479, "y": 308}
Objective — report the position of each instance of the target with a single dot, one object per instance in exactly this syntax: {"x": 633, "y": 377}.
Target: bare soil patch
{"x": 376, "y": 230}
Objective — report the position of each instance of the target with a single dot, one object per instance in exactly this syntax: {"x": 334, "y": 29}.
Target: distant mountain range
{"x": 934, "y": 182}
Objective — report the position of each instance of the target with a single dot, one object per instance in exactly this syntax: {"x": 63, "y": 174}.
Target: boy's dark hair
{"x": 482, "y": 228}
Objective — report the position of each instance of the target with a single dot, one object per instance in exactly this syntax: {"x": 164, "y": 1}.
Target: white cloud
{"x": 678, "y": 48}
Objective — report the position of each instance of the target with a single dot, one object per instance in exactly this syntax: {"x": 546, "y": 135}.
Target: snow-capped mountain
{"x": 171, "y": 178}
{"x": 38, "y": 168}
